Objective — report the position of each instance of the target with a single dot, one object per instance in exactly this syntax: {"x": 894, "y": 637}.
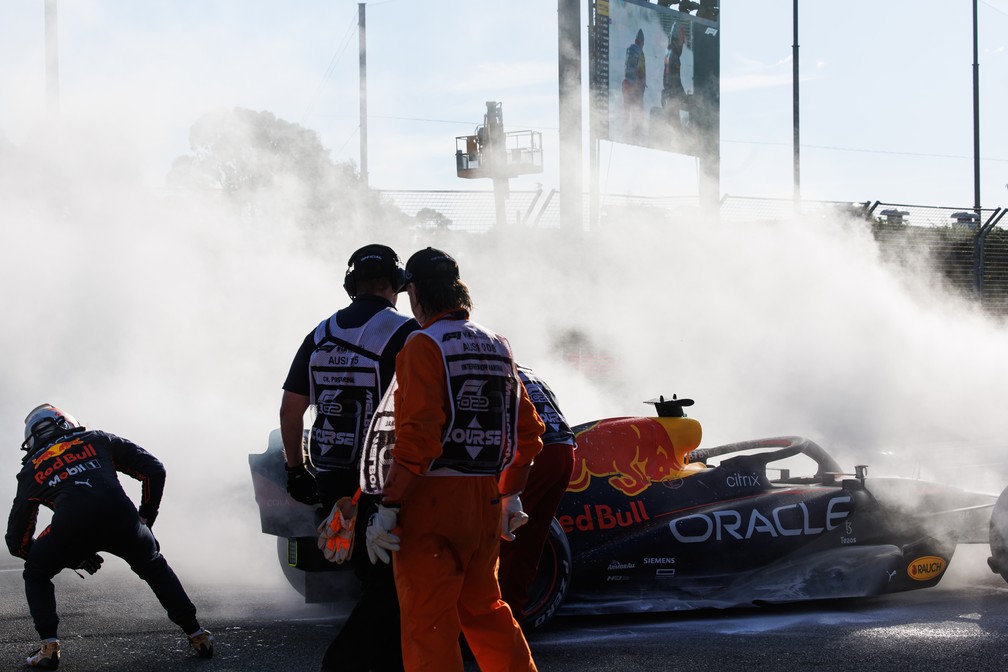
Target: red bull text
{"x": 62, "y": 457}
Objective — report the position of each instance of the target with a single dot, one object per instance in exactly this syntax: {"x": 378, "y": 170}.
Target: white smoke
{"x": 153, "y": 315}
{"x": 161, "y": 316}
{"x": 783, "y": 328}
{"x": 158, "y": 315}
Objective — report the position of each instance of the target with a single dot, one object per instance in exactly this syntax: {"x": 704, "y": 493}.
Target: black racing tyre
{"x": 999, "y": 536}
{"x": 552, "y": 580}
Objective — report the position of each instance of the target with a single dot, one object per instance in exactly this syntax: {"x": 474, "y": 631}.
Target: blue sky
{"x": 886, "y": 95}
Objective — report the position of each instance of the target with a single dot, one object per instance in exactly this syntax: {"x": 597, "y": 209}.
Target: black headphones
{"x": 374, "y": 261}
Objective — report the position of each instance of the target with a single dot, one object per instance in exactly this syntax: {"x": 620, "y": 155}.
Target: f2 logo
{"x": 470, "y": 397}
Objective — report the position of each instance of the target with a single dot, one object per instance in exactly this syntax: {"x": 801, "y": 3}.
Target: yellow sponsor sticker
{"x": 926, "y": 568}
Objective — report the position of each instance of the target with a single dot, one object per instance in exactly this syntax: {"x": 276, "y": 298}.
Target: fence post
{"x": 979, "y": 243}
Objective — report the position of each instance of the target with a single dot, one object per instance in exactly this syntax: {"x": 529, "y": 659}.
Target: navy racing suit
{"x": 75, "y": 476}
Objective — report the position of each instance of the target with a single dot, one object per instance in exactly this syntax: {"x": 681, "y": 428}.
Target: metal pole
{"x": 797, "y": 144}
{"x": 976, "y": 115}
{"x": 363, "y": 93}
{"x": 571, "y": 142}
{"x": 496, "y": 158}
{"x": 52, "y": 58}
{"x": 979, "y": 252}
{"x": 593, "y": 132}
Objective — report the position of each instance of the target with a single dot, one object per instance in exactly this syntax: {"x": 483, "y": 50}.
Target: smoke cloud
{"x": 783, "y": 328}
{"x": 167, "y": 316}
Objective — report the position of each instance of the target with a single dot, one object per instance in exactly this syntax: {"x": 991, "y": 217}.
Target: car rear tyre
{"x": 999, "y": 536}
{"x": 552, "y": 580}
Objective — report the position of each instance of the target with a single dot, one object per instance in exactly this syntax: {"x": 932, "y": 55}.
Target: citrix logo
{"x": 740, "y": 480}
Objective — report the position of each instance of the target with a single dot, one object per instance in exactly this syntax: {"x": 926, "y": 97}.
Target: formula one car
{"x": 651, "y": 523}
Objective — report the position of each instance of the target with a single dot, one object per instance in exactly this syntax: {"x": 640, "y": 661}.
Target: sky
{"x": 886, "y": 95}
{"x": 158, "y": 315}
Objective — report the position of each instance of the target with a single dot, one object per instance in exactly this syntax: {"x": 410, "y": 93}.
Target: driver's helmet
{"x": 44, "y": 424}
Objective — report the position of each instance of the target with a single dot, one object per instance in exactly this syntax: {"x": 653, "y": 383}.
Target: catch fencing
{"x": 968, "y": 248}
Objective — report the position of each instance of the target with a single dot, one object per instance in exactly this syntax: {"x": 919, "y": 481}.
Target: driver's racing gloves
{"x": 91, "y": 564}
{"x": 380, "y": 539}
{"x": 512, "y": 516}
{"x": 301, "y": 485}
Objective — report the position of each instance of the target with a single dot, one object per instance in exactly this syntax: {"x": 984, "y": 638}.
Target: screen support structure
{"x": 571, "y": 140}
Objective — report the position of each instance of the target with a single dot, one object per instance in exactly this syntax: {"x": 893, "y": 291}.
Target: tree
{"x": 276, "y": 170}
{"x": 429, "y": 218}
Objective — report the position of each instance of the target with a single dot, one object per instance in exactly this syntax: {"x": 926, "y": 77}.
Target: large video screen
{"x": 655, "y": 76}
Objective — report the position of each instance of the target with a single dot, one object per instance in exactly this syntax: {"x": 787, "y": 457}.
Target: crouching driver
{"x": 72, "y": 471}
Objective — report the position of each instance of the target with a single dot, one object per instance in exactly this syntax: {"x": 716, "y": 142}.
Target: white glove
{"x": 512, "y": 516}
{"x": 336, "y": 533}
{"x": 380, "y": 539}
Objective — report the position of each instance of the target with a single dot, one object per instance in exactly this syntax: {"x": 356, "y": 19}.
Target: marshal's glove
{"x": 301, "y": 485}
{"x": 380, "y": 539}
{"x": 336, "y": 533}
{"x": 512, "y": 516}
{"x": 91, "y": 564}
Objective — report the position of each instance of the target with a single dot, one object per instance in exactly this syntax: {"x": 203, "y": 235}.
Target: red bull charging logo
{"x": 55, "y": 450}
{"x": 60, "y": 455}
{"x": 635, "y": 452}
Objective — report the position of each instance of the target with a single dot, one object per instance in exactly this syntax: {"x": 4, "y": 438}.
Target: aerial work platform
{"x": 522, "y": 156}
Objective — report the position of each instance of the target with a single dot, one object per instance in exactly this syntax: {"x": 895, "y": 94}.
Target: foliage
{"x": 954, "y": 252}
{"x": 429, "y": 218}
{"x": 278, "y": 171}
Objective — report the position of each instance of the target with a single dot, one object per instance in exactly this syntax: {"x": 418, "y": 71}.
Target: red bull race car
{"x": 653, "y": 522}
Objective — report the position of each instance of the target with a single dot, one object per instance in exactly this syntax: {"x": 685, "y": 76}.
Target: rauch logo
{"x": 926, "y": 568}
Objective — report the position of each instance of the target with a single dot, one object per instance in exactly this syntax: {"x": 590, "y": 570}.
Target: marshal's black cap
{"x": 431, "y": 264}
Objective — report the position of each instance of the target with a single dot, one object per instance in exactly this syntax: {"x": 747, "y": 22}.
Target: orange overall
{"x": 449, "y": 526}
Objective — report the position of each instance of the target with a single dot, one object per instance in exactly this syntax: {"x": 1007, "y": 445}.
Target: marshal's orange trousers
{"x": 446, "y": 577}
